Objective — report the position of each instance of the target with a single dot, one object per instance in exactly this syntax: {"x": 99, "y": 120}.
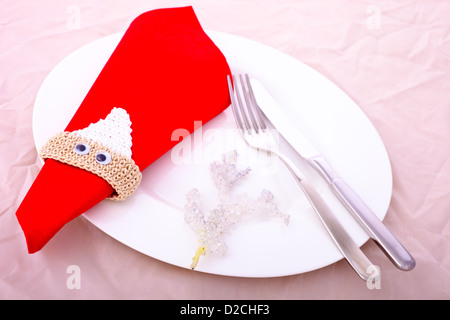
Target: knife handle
{"x": 343, "y": 241}
{"x": 365, "y": 216}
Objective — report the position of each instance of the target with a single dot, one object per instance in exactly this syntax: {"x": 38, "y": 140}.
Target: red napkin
{"x": 166, "y": 73}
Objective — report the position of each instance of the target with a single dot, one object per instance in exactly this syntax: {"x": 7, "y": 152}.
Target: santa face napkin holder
{"x": 104, "y": 149}
{"x": 164, "y": 74}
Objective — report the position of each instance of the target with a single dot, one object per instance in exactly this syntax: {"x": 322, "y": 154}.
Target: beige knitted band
{"x": 121, "y": 173}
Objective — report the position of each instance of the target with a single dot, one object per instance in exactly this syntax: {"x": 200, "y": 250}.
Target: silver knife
{"x": 356, "y": 206}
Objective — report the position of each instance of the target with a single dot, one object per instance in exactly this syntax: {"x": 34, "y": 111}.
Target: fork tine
{"x": 248, "y": 102}
{"x": 234, "y": 105}
{"x": 247, "y": 113}
{"x": 242, "y": 103}
{"x": 255, "y": 107}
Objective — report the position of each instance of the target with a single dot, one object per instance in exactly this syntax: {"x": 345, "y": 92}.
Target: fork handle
{"x": 374, "y": 227}
{"x": 365, "y": 216}
{"x": 349, "y": 249}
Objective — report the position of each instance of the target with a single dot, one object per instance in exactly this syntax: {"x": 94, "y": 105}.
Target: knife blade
{"x": 373, "y": 226}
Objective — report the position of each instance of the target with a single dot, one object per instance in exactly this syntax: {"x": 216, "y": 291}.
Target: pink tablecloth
{"x": 391, "y": 57}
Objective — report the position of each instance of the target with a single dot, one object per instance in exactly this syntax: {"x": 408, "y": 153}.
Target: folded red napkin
{"x": 164, "y": 74}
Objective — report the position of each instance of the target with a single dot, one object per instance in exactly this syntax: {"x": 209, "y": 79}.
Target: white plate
{"x": 152, "y": 220}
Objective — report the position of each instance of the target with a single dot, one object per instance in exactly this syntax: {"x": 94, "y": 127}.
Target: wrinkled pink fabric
{"x": 392, "y": 58}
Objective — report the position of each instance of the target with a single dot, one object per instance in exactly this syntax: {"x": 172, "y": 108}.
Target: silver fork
{"x": 251, "y": 123}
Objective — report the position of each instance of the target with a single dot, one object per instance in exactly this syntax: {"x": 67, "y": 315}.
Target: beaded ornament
{"x": 211, "y": 227}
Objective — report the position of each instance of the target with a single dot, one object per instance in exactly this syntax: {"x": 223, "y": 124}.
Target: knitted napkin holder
{"x": 103, "y": 148}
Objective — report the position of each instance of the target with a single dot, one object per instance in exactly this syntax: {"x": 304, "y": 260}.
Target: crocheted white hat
{"x": 114, "y": 132}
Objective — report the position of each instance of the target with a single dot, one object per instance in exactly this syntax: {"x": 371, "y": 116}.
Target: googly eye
{"x": 82, "y": 148}
{"x": 103, "y": 157}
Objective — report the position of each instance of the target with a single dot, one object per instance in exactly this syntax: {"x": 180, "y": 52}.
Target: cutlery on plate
{"x": 355, "y": 205}
{"x": 251, "y": 123}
